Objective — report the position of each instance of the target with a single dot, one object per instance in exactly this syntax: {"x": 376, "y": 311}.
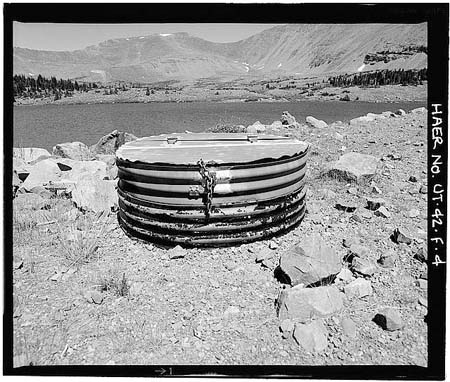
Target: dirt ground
{"x": 129, "y": 303}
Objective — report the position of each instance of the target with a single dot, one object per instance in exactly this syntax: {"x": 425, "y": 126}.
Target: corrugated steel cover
{"x": 211, "y": 189}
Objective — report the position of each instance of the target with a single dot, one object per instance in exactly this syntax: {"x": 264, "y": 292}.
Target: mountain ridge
{"x": 292, "y": 49}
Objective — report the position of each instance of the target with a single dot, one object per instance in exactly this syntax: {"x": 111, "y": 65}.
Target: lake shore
{"x": 388, "y": 93}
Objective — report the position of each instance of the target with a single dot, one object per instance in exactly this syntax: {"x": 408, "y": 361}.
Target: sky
{"x": 79, "y": 36}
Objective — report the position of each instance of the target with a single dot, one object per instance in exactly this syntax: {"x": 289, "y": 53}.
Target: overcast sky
{"x": 79, "y": 36}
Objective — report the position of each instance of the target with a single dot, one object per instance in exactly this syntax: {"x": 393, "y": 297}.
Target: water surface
{"x": 46, "y": 125}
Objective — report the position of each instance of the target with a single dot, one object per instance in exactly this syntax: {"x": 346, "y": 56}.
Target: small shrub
{"x": 115, "y": 283}
{"x": 80, "y": 239}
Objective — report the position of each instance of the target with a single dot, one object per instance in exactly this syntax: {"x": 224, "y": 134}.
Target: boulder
{"x": 363, "y": 119}
{"x": 287, "y": 119}
{"x": 72, "y": 150}
{"x": 375, "y": 116}
{"x": 312, "y": 336}
{"x": 383, "y": 212}
{"x": 176, "y": 252}
{"x": 42, "y": 173}
{"x": 419, "y": 110}
{"x": 422, "y": 254}
{"x": 387, "y": 260}
{"x": 109, "y": 159}
{"x": 303, "y": 304}
{"x": 15, "y": 181}
{"x": 109, "y": 143}
{"x": 257, "y": 127}
{"x": 358, "y": 288}
{"x": 400, "y": 112}
{"x": 29, "y": 154}
{"x": 346, "y": 205}
{"x": 354, "y": 167}
{"x": 316, "y": 123}
{"x": 286, "y": 327}
{"x": 310, "y": 261}
{"x": 401, "y": 236}
{"x": 93, "y": 194}
{"x": 42, "y": 191}
{"x": 363, "y": 267}
{"x": 374, "y": 204}
{"x": 276, "y": 125}
{"x": 345, "y": 275}
{"x": 81, "y": 168}
{"x": 389, "y": 319}
{"x": 21, "y": 168}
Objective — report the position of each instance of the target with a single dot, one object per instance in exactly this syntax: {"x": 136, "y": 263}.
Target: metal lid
{"x": 210, "y": 147}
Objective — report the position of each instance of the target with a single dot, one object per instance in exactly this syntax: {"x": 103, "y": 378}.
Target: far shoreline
{"x": 384, "y": 94}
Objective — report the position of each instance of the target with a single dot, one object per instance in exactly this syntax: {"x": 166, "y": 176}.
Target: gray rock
{"x": 257, "y": 127}
{"x": 310, "y": 261}
{"x": 423, "y": 301}
{"x": 422, "y": 254}
{"x": 363, "y": 267}
{"x": 29, "y": 154}
{"x": 389, "y": 319}
{"x": 287, "y": 118}
{"x": 93, "y": 194}
{"x": 21, "y": 168}
{"x": 16, "y": 180}
{"x": 109, "y": 143}
{"x": 177, "y": 252}
{"x": 387, "y": 260}
{"x": 312, "y": 336}
{"x": 264, "y": 254}
{"x": 352, "y": 190}
{"x": 72, "y": 150}
{"x": 358, "y": 250}
{"x": 400, "y": 112}
{"x": 361, "y": 120}
{"x": 316, "y": 123}
{"x": 412, "y": 179}
{"x": 303, "y": 304}
{"x": 357, "y": 218}
{"x": 345, "y": 275}
{"x": 358, "y": 288}
{"x": 348, "y": 327}
{"x": 354, "y": 167}
{"x": 109, "y": 159}
{"x": 81, "y": 169}
{"x": 376, "y": 190}
{"x": 42, "y": 173}
{"x": 422, "y": 284}
{"x": 42, "y": 191}
{"x": 349, "y": 241}
{"x": 423, "y": 189}
{"x": 346, "y": 206}
{"x": 374, "y": 204}
{"x": 287, "y": 327}
{"x": 383, "y": 212}
{"x": 419, "y": 110}
{"x": 401, "y": 236}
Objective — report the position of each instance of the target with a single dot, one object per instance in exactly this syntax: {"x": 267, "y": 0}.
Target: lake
{"x": 45, "y": 126}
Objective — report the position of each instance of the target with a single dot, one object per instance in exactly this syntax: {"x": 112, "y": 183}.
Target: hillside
{"x": 295, "y": 49}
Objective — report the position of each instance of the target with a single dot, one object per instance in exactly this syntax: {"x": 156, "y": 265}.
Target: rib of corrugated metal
{"x": 216, "y": 202}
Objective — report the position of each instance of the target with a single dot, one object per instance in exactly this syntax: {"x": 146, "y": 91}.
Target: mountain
{"x": 294, "y": 49}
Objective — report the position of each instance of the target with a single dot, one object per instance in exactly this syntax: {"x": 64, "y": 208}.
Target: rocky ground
{"x": 85, "y": 293}
{"x": 241, "y": 93}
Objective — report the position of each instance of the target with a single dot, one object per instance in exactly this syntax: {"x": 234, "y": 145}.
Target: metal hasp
{"x": 211, "y": 189}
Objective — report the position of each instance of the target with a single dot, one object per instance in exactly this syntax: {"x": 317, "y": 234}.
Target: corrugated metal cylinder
{"x": 211, "y": 189}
